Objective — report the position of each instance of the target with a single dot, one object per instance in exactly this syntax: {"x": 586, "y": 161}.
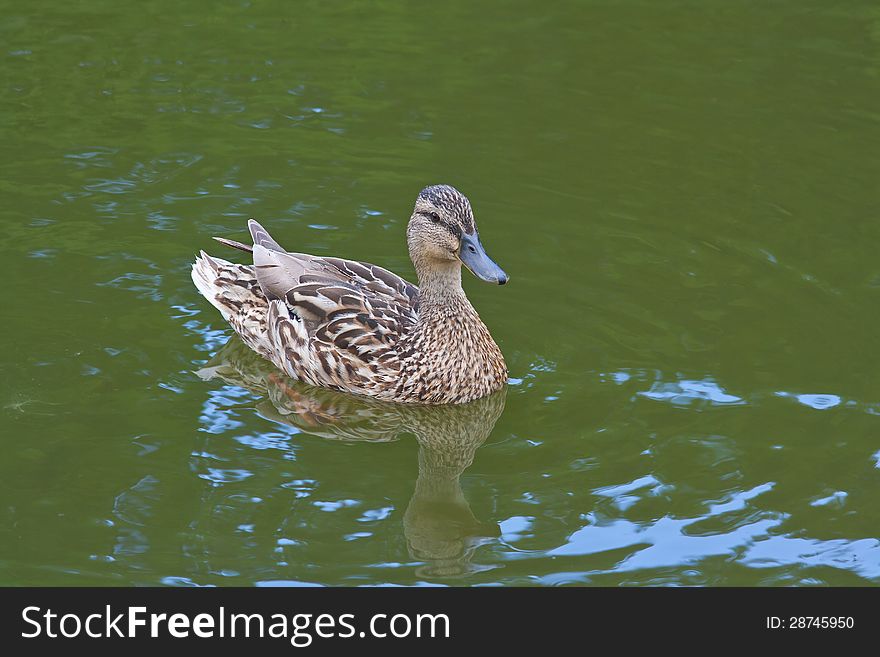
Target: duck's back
{"x": 328, "y": 322}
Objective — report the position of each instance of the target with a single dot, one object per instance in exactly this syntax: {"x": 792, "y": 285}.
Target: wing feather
{"x": 333, "y": 322}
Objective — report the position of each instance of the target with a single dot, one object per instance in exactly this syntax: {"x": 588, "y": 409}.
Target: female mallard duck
{"x": 356, "y": 327}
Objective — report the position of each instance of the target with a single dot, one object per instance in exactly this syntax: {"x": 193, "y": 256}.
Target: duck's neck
{"x": 457, "y": 359}
{"x": 440, "y": 286}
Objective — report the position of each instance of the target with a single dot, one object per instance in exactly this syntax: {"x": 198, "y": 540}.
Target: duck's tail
{"x": 260, "y": 236}
{"x": 231, "y": 288}
{"x": 247, "y": 248}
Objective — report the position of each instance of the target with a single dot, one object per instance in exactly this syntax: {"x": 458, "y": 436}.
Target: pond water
{"x": 685, "y": 196}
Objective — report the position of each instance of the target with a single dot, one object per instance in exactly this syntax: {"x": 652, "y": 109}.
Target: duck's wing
{"x": 317, "y": 288}
{"x": 351, "y": 314}
{"x": 278, "y": 271}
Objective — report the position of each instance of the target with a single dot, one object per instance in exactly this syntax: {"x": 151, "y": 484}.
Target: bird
{"x": 356, "y": 327}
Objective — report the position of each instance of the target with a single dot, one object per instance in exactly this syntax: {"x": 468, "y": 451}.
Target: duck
{"x": 356, "y": 327}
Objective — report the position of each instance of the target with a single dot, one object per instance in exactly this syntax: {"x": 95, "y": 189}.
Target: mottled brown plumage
{"x": 359, "y": 328}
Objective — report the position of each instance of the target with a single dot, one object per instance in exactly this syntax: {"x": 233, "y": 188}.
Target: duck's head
{"x": 442, "y": 231}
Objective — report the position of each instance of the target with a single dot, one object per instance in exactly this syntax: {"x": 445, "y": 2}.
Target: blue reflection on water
{"x": 819, "y": 402}
{"x": 666, "y": 540}
{"x": 215, "y": 416}
{"x": 860, "y": 556}
{"x": 686, "y": 392}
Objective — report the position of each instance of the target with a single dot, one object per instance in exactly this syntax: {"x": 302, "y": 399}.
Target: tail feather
{"x": 235, "y": 245}
{"x": 228, "y": 286}
{"x": 233, "y": 289}
{"x": 259, "y": 235}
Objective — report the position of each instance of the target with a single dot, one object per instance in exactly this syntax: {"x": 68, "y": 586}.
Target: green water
{"x": 685, "y": 195}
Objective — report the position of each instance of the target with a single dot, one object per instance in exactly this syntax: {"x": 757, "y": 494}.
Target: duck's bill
{"x": 474, "y": 257}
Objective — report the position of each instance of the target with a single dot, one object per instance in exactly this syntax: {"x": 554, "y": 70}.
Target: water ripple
{"x": 860, "y": 556}
{"x": 685, "y": 392}
{"x": 819, "y": 402}
{"x": 665, "y": 542}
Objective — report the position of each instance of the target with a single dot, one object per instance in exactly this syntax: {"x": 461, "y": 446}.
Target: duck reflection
{"x": 438, "y": 524}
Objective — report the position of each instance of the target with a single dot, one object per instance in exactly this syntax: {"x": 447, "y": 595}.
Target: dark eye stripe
{"x": 452, "y": 228}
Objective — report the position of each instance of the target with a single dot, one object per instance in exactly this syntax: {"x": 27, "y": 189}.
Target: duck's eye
{"x": 434, "y": 217}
